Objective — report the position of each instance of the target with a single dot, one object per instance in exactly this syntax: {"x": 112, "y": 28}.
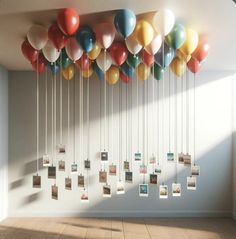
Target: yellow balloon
{"x": 69, "y": 72}
{"x": 92, "y": 55}
{"x": 143, "y": 71}
{"x": 182, "y": 56}
{"x": 190, "y": 43}
{"x": 112, "y": 75}
{"x": 87, "y": 73}
{"x": 143, "y": 32}
{"x": 178, "y": 66}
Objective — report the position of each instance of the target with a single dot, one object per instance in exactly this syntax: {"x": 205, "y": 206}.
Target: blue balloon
{"x": 127, "y": 70}
{"x": 53, "y": 67}
{"x": 86, "y": 38}
{"x": 125, "y": 22}
{"x": 169, "y": 55}
{"x": 97, "y": 70}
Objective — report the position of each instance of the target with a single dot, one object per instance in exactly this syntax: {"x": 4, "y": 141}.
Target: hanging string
{"x": 37, "y": 116}
{"x": 138, "y": 111}
{"x": 52, "y": 100}
{"x": 100, "y": 115}
{"x": 61, "y": 100}
{"x": 68, "y": 114}
{"x": 120, "y": 129}
{"x": 126, "y": 128}
{"x": 169, "y": 112}
{"x": 158, "y": 90}
{"x": 176, "y": 130}
{"x": 194, "y": 119}
{"x": 146, "y": 120}
{"x": 153, "y": 113}
{"x": 163, "y": 105}
{"x": 130, "y": 123}
{"x": 46, "y": 112}
{"x": 74, "y": 114}
{"x": 187, "y": 112}
{"x": 105, "y": 105}
{"x": 144, "y": 133}
{"x": 88, "y": 128}
{"x": 55, "y": 116}
{"x": 112, "y": 120}
{"x": 82, "y": 119}
{"x": 182, "y": 114}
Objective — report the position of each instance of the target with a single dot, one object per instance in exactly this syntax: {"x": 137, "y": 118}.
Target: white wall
{"x": 3, "y": 143}
{"x": 213, "y": 150}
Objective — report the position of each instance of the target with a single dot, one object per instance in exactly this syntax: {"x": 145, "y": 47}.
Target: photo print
{"x": 102, "y": 177}
{"x": 187, "y": 159}
{"x": 120, "y": 187}
{"x": 143, "y": 169}
{"x": 84, "y": 195}
{"x": 137, "y": 156}
{"x": 163, "y": 191}
{"x": 106, "y": 191}
{"x": 46, "y": 160}
{"x": 87, "y": 164}
{"x": 112, "y": 169}
{"x": 80, "y": 181}
{"x": 52, "y": 172}
{"x": 126, "y": 165}
{"x": 129, "y": 177}
{"x": 61, "y": 149}
{"x": 170, "y": 157}
{"x": 68, "y": 183}
{"x": 195, "y": 170}
{"x": 36, "y": 181}
{"x": 74, "y": 168}
{"x": 61, "y": 165}
{"x": 181, "y": 158}
{"x": 191, "y": 183}
{"x": 55, "y": 192}
{"x": 157, "y": 169}
{"x": 153, "y": 179}
{"x": 152, "y": 160}
{"x": 176, "y": 189}
{"x": 104, "y": 156}
{"x": 143, "y": 190}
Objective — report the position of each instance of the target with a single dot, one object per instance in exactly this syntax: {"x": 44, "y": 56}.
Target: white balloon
{"x": 50, "y": 52}
{"x": 155, "y": 45}
{"x": 37, "y": 36}
{"x": 104, "y": 61}
{"x": 132, "y": 44}
{"x": 163, "y": 21}
{"x": 73, "y": 50}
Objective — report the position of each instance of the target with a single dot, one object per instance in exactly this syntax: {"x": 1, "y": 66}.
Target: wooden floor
{"x": 70, "y": 228}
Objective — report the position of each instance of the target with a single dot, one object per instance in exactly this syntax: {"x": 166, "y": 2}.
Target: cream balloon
{"x": 163, "y": 21}
{"x": 73, "y": 49}
{"x": 104, "y": 61}
{"x": 132, "y": 45}
{"x": 37, "y": 36}
{"x": 155, "y": 45}
{"x": 50, "y": 52}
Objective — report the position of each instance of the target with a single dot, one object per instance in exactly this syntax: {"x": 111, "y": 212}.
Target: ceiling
{"x": 214, "y": 18}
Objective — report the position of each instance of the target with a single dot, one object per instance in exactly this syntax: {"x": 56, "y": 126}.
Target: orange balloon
{"x": 202, "y": 50}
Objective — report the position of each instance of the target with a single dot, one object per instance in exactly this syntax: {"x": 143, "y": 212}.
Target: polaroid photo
{"x": 52, "y": 172}
{"x": 46, "y": 160}
{"x": 120, "y": 187}
{"x": 68, "y": 183}
{"x": 158, "y": 169}
{"x": 195, "y": 170}
{"x": 55, "y": 192}
{"x": 181, "y": 158}
{"x": 137, "y": 156}
{"x": 129, "y": 177}
{"x": 104, "y": 156}
{"x": 143, "y": 190}
{"x": 187, "y": 159}
{"x": 61, "y": 149}
{"x": 107, "y": 191}
{"x": 176, "y": 189}
{"x": 170, "y": 157}
{"x": 163, "y": 191}
{"x": 102, "y": 177}
{"x": 191, "y": 183}
{"x": 80, "y": 181}
{"x": 61, "y": 165}
{"x": 87, "y": 164}
{"x": 153, "y": 179}
{"x": 143, "y": 169}
{"x": 112, "y": 169}
{"x": 152, "y": 160}
{"x": 84, "y": 195}
{"x": 36, "y": 181}
{"x": 74, "y": 168}
{"x": 126, "y": 166}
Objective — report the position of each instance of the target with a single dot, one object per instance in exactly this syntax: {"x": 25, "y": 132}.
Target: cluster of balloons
{"x": 147, "y": 47}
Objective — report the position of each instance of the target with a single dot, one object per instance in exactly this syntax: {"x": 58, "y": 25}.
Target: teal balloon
{"x": 64, "y": 60}
{"x": 127, "y": 70}
{"x": 169, "y": 54}
{"x": 125, "y": 22}
{"x": 133, "y": 60}
{"x": 176, "y": 37}
{"x": 158, "y": 72}
{"x": 86, "y": 38}
{"x": 53, "y": 67}
{"x": 97, "y": 70}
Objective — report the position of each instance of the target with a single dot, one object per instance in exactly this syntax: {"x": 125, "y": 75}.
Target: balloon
{"x": 182, "y": 56}
{"x": 73, "y": 49}
{"x": 143, "y": 32}
{"x": 118, "y": 52}
{"x": 154, "y": 46}
{"x": 69, "y": 72}
{"x": 124, "y": 77}
{"x": 176, "y": 37}
{"x": 194, "y": 65}
{"x": 65, "y": 60}
{"x": 94, "y": 53}
{"x": 201, "y": 51}
{"x": 50, "y": 52}
{"x": 54, "y": 68}
{"x": 127, "y": 70}
{"x": 190, "y": 43}
{"x": 132, "y": 45}
{"x": 143, "y": 71}
{"x": 87, "y": 73}
{"x": 169, "y": 54}
{"x": 68, "y": 21}
{"x": 163, "y": 21}
{"x": 29, "y": 52}
{"x": 133, "y": 60}
{"x": 178, "y": 66}
{"x": 147, "y": 58}
{"x": 40, "y": 64}
{"x": 104, "y": 61}
{"x": 112, "y": 75}
{"x": 105, "y": 34}
{"x": 84, "y": 62}
{"x": 37, "y": 36}
{"x": 125, "y": 21}
{"x": 98, "y": 71}
{"x": 158, "y": 72}
{"x": 86, "y": 38}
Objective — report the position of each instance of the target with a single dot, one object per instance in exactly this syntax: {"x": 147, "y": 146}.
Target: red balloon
{"x": 29, "y": 52}
{"x": 84, "y": 62}
{"x": 58, "y": 39}
{"x": 124, "y": 77}
{"x": 147, "y": 58}
{"x": 118, "y": 53}
{"x": 68, "y": 21}
{"x": 40, "y": 64}
{"x": 193, "y": 65}
{"x": 201, "y": 51}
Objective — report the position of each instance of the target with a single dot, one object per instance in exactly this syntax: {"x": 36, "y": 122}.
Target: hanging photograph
{"x": 106, "y": 191}
{"x": 187, "y": 159}
{"x": 74, "y": 168}
{"x": 112, "y": 169}
{"x": 84, "y": 195}
{"x": 102, "y": 176}
{"x": 170, "y": 157}
{"x": 195, "y": 170}
{"x": 120, "y": 187}
{"x": 126, "y": 166}
{"x": 143, "y": 190}
{"x": 153, "y": 179}
{"x": 36, "y": 181}
{"x": 143, "y": 169}
{"x": 55, "y": 192}
{"x": 61, "y": 149}
{"x": 61, "y": 165}
{"x": 104, "y": 156}
{"x": 163, "y": 191}
{"x": 52, "y": 172}
{"x": 176, "y": 189}
{"x": 191, "y": 183}
{"x": 87, "y": 164}
{"x": 152, "y": 160}
{"x": 80, "y": 181}
{"x": 68, "y": 183}
{"x": 158, "y": 169}
{"x": 181, "y": 158}
{"x": 46, "y": 160}
{"x": 128, "y": 177}
{"x": 137, "y": 156}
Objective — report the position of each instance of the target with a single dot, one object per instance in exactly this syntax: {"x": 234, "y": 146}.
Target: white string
{"x": 105, "y": 106}
{"x": 55, "y": 118}
{"x": 52, "y": 100}
{"x": 126, "y": 128}
{"x": 194, "y": 119}
{"x": 182, "y": 114}
{"x": 61, "y": 101}
{"x": 169, "y": 112}
{"x": 46, "y": 112}
{"x": 158, "y": 90}
{"x": 144, "y": 133}
{"x": 68, "y": 114}
{"x": 74, "y": 114}
{"x": 138, "y": 111}
{"x": 88, "y": 129}
{"x": 37, "y": 120}
{"x": 187, "y": 113}
{"x": 153, "y": 112}
{"x": 176, "y": 130}
{"x": 130, "y": 123}
{"x": 120, "y": 129}
{"x": 112, "y": 118}
{"x": 163, "y": 119}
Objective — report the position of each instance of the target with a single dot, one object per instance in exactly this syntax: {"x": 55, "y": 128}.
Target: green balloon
{"x": 133, "y": 60}
{"x": 158, "y": 72}
{"x": 176, "y": 37}
{"x": 65, "y": 60}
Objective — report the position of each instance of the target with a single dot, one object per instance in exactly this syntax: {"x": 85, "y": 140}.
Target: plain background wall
{"x": 213, "y": 152}
{"x": 3, "y": 142}
{"x": 234, "y": 149}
